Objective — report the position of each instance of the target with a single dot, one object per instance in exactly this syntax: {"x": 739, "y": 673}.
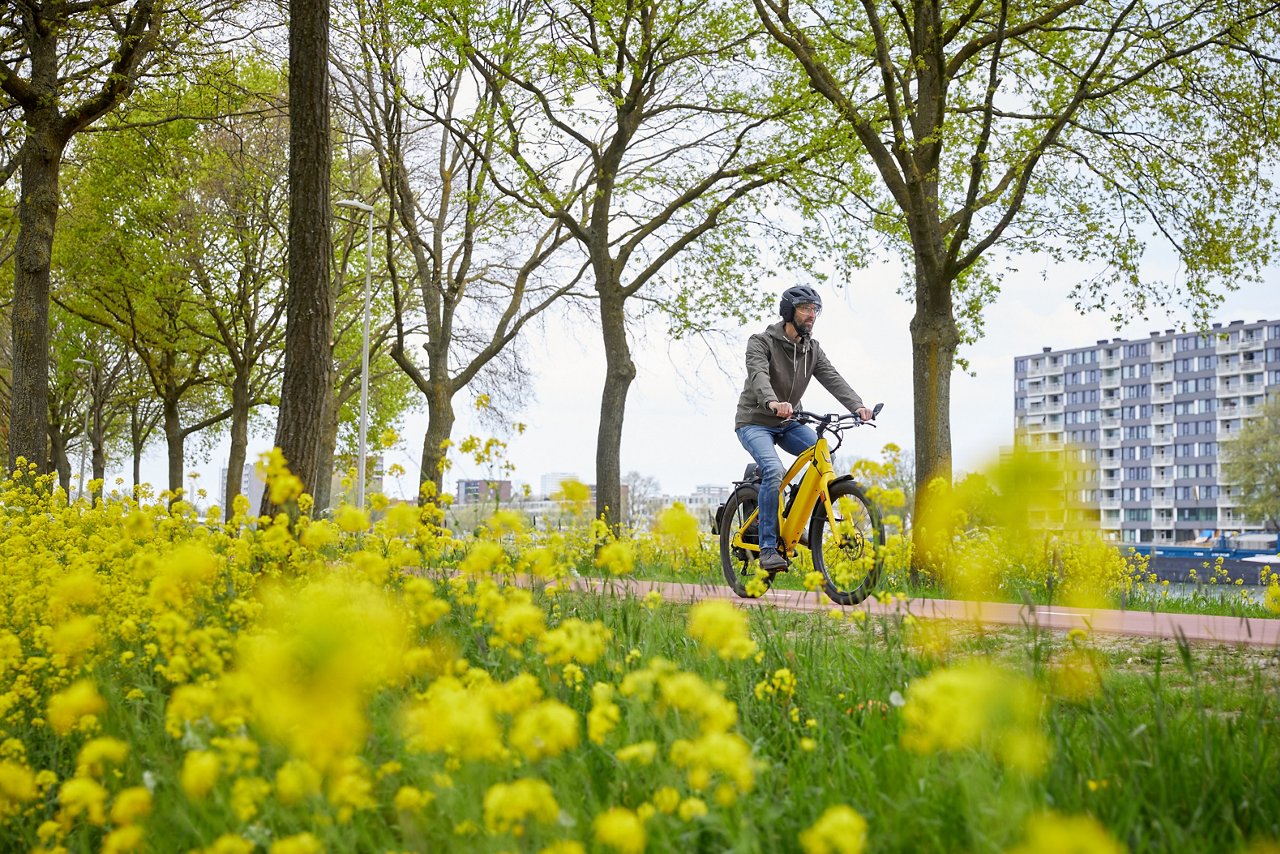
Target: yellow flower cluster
{"x": 722, "y": 629}
{"x": 977, "y": 706}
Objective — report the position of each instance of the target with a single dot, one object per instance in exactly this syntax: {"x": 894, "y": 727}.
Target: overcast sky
{"x": 679, "y": 421}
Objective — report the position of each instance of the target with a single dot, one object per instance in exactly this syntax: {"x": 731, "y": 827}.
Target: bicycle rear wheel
{"x": 851, "y": 567}
{"x": 741, "y": 567}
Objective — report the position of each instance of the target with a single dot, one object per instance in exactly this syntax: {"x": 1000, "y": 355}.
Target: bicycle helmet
{"x": 798, "y": 295}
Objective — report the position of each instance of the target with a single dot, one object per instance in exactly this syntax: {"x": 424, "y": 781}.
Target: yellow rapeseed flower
{"x": 122, "y": 840}
{"x": 83, "y": 796}
{"x": 666, "y": 799}
{"x": 97, "y": 754}
{"x": 296, "y": 780}
{"x": 617, "y": 557}
{"x": 545, "y": 730}
{"x": 977, "y": 706}
{"x": 17, "y": 787}
{"x": 246, "y": 794}
{"x": 604, "y": 715}
{"x": 507, "y": 806}
{"x": 351, "y": 519}
{"x": 68, "y": 708}
{"x": 454, "y": 720}
{"x": 691, "y": 808}
{"x": 1053, "y": 833}
{"x": 840, "y": 830}
{"x": 721, "y": 628}
{"x": 575, "y": 640}
{"x": 130, "y": 805}
{"x": 620, "y": 829}
{"x": 641, "y": 753}
{"x": 676, "y": 527}
{"x": 200, "y": 772}
{"x": 300, "y": 843}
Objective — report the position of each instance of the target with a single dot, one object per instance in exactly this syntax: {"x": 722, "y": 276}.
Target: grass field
{"x": 170, "y": 683}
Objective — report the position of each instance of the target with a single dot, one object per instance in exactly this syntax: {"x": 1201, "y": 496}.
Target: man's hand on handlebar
{"x": 781, "y": 408}
{"x": 864, "y": 414}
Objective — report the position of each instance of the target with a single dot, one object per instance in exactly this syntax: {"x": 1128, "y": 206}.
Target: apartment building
{"x": 1142, "y": 422}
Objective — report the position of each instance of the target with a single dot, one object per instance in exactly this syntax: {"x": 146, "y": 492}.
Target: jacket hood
{"x": 779, "y": 331}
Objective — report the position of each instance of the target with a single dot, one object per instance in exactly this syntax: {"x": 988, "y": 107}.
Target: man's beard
{"x": 803, "y": 328}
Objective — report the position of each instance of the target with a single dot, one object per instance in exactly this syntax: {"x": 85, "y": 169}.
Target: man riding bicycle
{"x": 780, "y": 362}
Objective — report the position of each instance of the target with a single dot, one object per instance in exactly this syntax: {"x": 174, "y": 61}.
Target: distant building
{"x": 1142, "y": 421}
{"x": 252, "y": 486}
{"x": 550, "y": 483}
{"x": 482, "y": 491}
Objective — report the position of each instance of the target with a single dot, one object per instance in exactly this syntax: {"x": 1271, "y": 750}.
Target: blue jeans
{"x": 759, "y": 441}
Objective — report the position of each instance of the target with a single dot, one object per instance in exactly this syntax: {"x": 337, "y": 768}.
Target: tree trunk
{"x": 37, "y": 216}
{"x": 440, "y": 421}
{"x": 58, "y": 459}
{"x": 309, "y": 304}
{"x": 239, "y": 440}
{"x": 99, "y": 464}
{"x": 934, "y": 340}
{"x": 619, "y": 372}
{"x": 173, "y": 439}
{"x": 136, "y": 443}
{"x": 323, "y": 493}
{"x": 98, "y": 453}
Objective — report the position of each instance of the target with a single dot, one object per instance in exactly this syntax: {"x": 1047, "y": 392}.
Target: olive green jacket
{"x": 780, "y": 369}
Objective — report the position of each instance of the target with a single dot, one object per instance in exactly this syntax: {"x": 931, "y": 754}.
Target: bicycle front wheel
{"x": 849, "y": 549}
{"x": 741, "y": 566}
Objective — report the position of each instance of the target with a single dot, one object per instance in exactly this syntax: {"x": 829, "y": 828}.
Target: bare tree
{"x": 647, "y": 132}
{"x": 479, "y": 266}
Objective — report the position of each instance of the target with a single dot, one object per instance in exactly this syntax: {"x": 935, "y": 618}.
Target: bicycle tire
{"x": 849, "y": 571}
{"x": 739, "y": 565}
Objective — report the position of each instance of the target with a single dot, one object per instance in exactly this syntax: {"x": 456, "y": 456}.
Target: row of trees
{"x": 639, "y": 154}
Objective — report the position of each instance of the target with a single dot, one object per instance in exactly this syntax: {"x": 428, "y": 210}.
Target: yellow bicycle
{"x": 829, "y": 514}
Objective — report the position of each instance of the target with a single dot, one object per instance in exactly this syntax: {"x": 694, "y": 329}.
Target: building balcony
{"x": 1162, "y": 439}
{"x": 1162, "y": 504}
{"x": 1109, "y": 503}
{"x": 1162, "y": 418}
{"x": 1162, "y": 397}
{"x": 1109, "y": 442}
{"x": 1162, "y": 481}
{"x": 1112, "y": 381}
{"x": 1109, "y": 362}
{"x": 1111, "y": 421}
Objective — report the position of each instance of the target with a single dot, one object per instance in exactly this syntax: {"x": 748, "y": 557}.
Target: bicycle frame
{"x": 814, "y": 487}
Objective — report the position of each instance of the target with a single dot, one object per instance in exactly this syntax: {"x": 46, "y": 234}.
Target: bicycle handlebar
{"x": 835, "y": 419}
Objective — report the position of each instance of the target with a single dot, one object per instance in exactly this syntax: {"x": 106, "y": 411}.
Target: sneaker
{"x": 772, "y": 562}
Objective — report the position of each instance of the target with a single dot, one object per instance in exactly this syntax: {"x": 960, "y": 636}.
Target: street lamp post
{"x": 85, "y": 447}
{"x": 364, "y": 350}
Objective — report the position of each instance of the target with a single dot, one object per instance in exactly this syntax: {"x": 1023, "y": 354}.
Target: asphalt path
{"x": 1193, "y": 627}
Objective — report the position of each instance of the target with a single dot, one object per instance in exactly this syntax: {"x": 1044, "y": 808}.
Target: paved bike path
{"x": 1196, "y": 627}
